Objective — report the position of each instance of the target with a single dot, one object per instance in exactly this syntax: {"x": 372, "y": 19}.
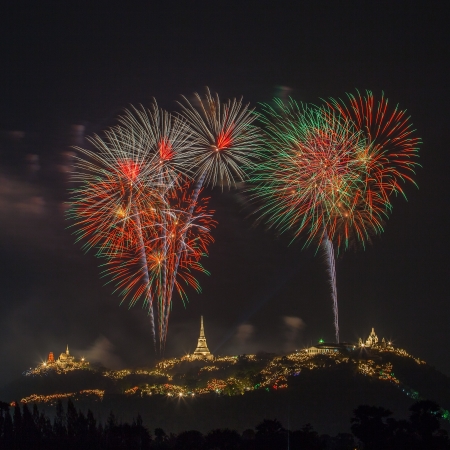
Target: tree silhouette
{"x": 370, "y": 426}
{"x": 306, "y": 438}
{"x": 59, "y": 424}
{"x": 188, "y": 440}
{"x": 8, "y": 431}
{"x": 223, "y": 439}
{"x": 270, "y": 435}
{"x": 30, "y": 433}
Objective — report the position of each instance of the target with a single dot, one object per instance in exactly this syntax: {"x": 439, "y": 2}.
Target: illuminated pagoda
{"x": 202, "y": 350}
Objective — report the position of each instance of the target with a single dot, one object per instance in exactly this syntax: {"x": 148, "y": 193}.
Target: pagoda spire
{"x": 67, "y": 349}
{"x": 202, "y": 349}
{"x": 202, "y": 330}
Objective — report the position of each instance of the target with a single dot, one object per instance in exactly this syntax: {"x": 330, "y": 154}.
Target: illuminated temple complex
{"x": 65, "y": 360}
{"x": 326, "y": 348}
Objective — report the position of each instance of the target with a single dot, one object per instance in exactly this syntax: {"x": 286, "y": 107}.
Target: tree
{"x": 30, "y": 433}
{"x": 71, "y": 420}
{"x": 306, "y": 438}
{"x": 223, "y": 439}
{"x": 188, "y": 440}
{"x": 140, "y": 434}
{"x": 271, "y": 435}
{"x": 112, "y": 432}
{"x": 17, "y": 419}
{"x": 93, "y": 434}
{"x": 425, "y": 423}
{"x": 370, "y": 426}
{"x": 59, "y": 424}
{"x": 161, "y": 440}
{"x": 8, "y": 431}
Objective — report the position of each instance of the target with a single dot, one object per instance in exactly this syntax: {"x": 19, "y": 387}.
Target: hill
{"x": 238, "y": 392}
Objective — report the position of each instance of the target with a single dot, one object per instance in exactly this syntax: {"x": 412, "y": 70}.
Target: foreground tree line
{"x": 372, "y": 427}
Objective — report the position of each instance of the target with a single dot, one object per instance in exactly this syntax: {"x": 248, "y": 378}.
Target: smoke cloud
{"x": 103, "y": 352}
{"x": 244, "y": 333}
{"x": 293, "y": 325}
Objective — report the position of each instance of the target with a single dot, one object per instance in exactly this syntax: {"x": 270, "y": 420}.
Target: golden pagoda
{"x": 202, "y": 350}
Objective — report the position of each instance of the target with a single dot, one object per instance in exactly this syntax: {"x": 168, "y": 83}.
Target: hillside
{"x": 238, "y": 392}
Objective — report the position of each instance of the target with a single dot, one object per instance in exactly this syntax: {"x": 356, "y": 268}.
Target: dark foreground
{"x": 372, "y": 428}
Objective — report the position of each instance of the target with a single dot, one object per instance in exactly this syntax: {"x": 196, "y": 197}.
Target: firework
{"x": 175, "y": 232}
{"x": 124, "y": 183}
{"x": 222, "y": 142}
{"x": 225, "y": 138}
{"x": 389, "y": 157}
{"x": 135, "y": 205}
{"x": 165, "y": 139}
{"x": 328, "y": 172}
{"x": 309, "y": 174}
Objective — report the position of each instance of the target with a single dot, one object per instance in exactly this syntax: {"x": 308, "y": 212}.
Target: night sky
{"x": 67, "y": 74}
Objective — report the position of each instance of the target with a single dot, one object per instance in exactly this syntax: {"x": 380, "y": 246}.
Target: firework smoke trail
{"x": 188, "y": 227}
{"x": 144, "y": 265}
{"x": 330, "y": 259}
{"x": 162, "y": 248}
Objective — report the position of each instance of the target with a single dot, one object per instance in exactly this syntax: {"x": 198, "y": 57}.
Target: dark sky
{"x": 64, "y": 67}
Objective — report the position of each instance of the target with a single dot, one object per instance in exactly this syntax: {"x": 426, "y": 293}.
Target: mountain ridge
{"x": 235, "y": 391}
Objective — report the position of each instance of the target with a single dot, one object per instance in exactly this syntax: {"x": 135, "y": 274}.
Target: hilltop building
{"x": 326, "y": 348}
{"x": 202, "y": 350}
{"x": 65, "y": 360}
{"x": 373, "y": 341}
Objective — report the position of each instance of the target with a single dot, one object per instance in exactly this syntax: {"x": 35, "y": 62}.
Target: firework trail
{"x": 189, "y": 231}
{"x": 328, "y": 172}
{"x": 163, "y": 238}
{"x": 330, "y": 259}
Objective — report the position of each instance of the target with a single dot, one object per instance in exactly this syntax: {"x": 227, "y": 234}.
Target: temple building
{"x": 325, "y": 348}
{"x": 202, "y": 350}
{"x": 373, "y": 341}
{"x": 65, "y": 360}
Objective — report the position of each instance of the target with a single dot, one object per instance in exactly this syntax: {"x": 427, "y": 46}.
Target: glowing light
{"x": 166, "y": 152}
